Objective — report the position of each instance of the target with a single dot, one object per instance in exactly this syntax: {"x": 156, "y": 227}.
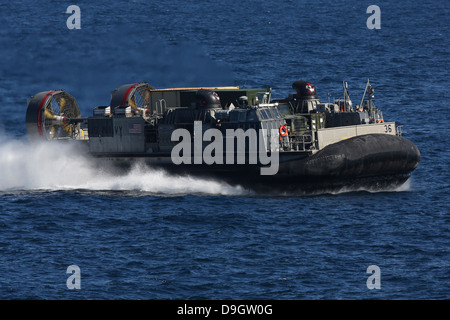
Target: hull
{"x": 372, "y": 161}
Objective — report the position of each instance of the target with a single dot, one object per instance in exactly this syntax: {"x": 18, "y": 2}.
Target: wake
{"x": 57, "y": 166}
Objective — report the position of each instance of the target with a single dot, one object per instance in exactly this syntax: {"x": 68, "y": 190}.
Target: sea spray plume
{"x": 59, "y": 166}
{"x": 157, "y": 181}
{"x": 50, "y": 166}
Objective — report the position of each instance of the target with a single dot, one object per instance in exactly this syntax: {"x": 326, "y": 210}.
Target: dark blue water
{"x": 147, "y": 235}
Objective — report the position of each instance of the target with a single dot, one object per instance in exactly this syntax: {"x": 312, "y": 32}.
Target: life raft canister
{"x": 283, "y": 131}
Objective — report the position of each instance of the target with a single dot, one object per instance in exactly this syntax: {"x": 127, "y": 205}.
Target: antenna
{"x": 365, "y": 90}
{"x": 346, "y": 95}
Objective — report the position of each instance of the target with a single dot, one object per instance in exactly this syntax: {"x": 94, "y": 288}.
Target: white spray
{"x": 47, "y": 166}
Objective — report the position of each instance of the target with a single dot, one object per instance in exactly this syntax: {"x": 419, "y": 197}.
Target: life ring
{"x": 381, "y": 121}
{"x": 283, "y": 131}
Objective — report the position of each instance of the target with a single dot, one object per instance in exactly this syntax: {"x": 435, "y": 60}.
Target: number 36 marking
{"x": 387, "y": 128}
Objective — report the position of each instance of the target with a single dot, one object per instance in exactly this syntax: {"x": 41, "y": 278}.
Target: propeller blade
{"x": 48, "y": 114}
{"x": 67, "y": 128}
{"x": 132, "y": 103}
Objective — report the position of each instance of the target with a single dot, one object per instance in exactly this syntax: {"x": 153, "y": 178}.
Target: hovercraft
{"x": 239, "y": 135}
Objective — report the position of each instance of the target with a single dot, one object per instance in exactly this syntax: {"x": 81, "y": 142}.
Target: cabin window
{"x": 275, "y": 113}
{"x": 263, "y": 114}
{"x": 283, "y": 108}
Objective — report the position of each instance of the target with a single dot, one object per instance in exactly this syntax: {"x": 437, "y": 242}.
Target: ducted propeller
{"x": 51, "y": 115}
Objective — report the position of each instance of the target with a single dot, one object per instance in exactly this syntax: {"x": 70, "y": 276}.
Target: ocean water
{"x": 149, "y": 235}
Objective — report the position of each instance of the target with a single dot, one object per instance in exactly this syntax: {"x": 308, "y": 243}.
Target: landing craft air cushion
{"x": 241, "y": 136}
